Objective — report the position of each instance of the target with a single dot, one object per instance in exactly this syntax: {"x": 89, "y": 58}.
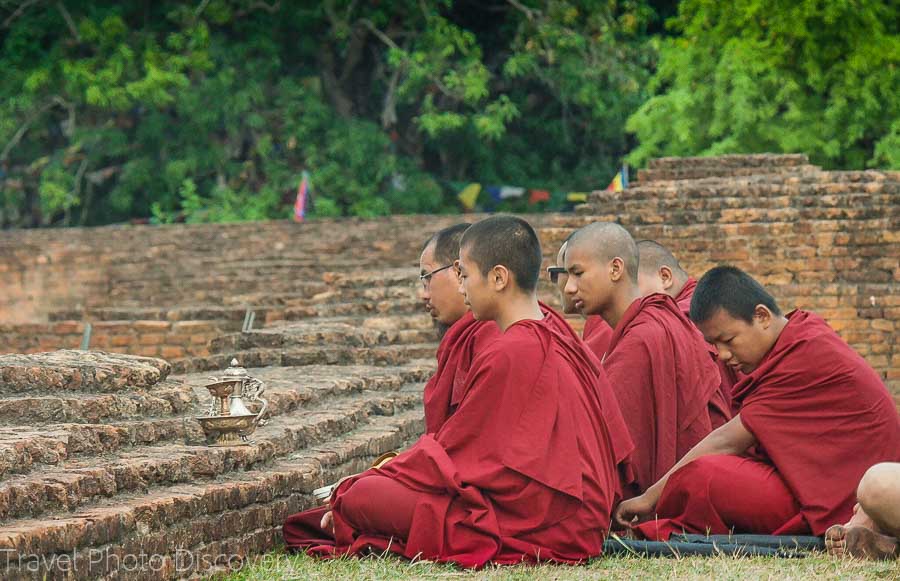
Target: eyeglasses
{"x": 554, "y": 272}
{"x": 426, "y": 278}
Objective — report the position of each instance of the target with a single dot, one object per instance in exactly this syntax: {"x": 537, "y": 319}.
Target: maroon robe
{"x": 666, "y": 384}
{"x": 821, "y": 416}
{"x": 523, "y": 469}
{"x": 462, "y": 341}
{"x": 597, "y": 334}
{"x": 728, "y": 375}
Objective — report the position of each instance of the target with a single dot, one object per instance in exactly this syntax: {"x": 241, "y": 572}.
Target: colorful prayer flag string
{"x": 300, "y": 202}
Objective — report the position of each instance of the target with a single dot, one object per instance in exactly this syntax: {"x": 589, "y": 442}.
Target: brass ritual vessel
{"x": 229, "y": 421}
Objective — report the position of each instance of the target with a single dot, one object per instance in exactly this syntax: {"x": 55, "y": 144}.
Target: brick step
{"x": 731, "y": 160}
{"x": 22, "y": 447}
{"x": 830, "y": 182}
{"x": 87, "y": 372}
{"x": 358, "y": 307}
{"x": 328, "y": 294}
{"x": 718, "y": 218}
{"x": 380, "y": 355}
{"x": 165, "y": 399}
{"x": 355, "y": 332}
{"x": 649, "y": 176}
{"x": 80, "y": 481}
{"x": 879, "y": 200}
{"x": 239, "y": 513}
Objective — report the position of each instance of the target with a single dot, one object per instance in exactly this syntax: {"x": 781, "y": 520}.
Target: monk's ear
{"x": 762, "y": 314}
{"x": 616, "y": 269}
{"x": 499, "y": 277}
{"x": 666, "y": 276}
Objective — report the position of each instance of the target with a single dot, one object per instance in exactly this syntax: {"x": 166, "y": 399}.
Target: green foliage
{"x": 816, "y": 77}
{"x": 209, "y": 111}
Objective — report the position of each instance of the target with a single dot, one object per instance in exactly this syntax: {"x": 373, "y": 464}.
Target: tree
{"x": 817, "y": 77}
{"x": 209, "y": 110}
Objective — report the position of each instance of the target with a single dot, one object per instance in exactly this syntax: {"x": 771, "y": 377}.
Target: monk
{"x": 524, "y": 468}
{"x": 463, "y": 336}
{"x": 873, "y": 532}
{"x": 596, "y": 332}
{"x": 812, "y": 417}
{"x": 660, "y": 272}
{"x": 657, "y": 361}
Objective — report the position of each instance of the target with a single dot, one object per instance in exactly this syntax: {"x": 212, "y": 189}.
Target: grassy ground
{"x": 279, "y": 566}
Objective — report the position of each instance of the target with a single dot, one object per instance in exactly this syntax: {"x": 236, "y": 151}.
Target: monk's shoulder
{"x": 516, "y": 346}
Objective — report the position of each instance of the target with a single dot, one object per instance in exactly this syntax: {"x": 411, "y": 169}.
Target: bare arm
{"x": 731, "y": 438}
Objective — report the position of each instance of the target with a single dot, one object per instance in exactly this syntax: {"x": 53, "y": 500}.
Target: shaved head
{"x": 654, "y": 256}
{"x": 608, "y": 240}
{"x": 561, "y": 255}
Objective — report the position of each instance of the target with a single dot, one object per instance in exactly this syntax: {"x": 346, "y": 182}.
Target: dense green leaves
{"x": 817, "y": 77}
{"x": 210, "y": 110}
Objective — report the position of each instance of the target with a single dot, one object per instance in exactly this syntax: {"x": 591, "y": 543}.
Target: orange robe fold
{"x": 666, "y": 384}
{"x": 821, "y": 416}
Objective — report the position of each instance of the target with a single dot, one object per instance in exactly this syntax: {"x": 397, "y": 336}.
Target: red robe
{"x": 465, "y": 338}
{"x": 666, "y": 384}
{"x": 821, "y": 416}
{"x": 728, "y": 375}
{"x": 597, "y": 334}
{"x": 524, "y": 468}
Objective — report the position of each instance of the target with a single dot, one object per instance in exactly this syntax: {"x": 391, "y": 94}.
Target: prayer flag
{"x": 469, "y": 195}
{"x": 577, "y": 197}
{"x": 494, "y": 191}
{"x": 302, "y": 192}
{"x": 511, "y": 192}
{"x": 620, "y": 182}
{"x": 538, "y": 196}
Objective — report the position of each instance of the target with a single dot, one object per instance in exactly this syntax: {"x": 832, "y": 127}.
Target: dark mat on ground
{"x": 787, "y": 546}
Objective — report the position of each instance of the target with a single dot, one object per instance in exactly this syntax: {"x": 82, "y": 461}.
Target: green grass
{"x": 280, "y": 566}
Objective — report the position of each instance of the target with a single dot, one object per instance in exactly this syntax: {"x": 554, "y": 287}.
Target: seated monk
{"x": 660, "y": 272}
{"x": 462, "y": 337}
{"x": 596, "y": 332}
{"x": 873, "y": 532}
{"x": 812, "y": 417}
{"x": 524, "y": 468}
{"x": 657, "y": 362}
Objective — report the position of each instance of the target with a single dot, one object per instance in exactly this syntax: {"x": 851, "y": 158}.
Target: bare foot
{"x": 861, "y": 542}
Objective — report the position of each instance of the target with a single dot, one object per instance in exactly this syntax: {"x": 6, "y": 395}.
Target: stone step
{"x": 165, "y": 399}
{"x": 23, "y": 447}
{"x": 389, "y": 306}
{"x": 824, "y": 202}
{"x": 355, "y": 332}
{"x": 83, "y": 371}
{"x": 383, "y": 355}
{"x": 650, "y": 176}
{"x": 731, "y": 160}
{"x": 749, "y": 215}
{"x": 188, "y": 525}
{"x": 80, "y": 481}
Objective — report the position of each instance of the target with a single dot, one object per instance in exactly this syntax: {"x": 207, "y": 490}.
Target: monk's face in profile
{"x": 478, "y": 290}
{"x": 589, "y": 285}
{"x": 740, "y": 344}
{"x": 439, "y": 291}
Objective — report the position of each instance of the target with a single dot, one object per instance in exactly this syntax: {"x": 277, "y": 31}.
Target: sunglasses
{"x": 554, "y": 272}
